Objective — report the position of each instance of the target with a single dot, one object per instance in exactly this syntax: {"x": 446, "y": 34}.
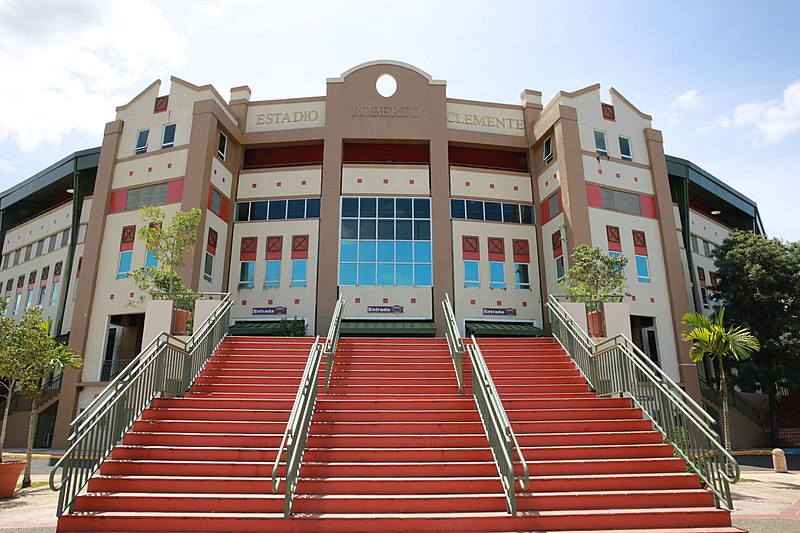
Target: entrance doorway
{"x": 123, "y": 343}
{"x": 645, "y": 336}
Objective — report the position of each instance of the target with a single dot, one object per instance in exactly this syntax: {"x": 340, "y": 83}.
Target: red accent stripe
{"x": 175, "y": 191}
{"x": 614, "y": 246}
{"x": 640, "y": 250}
{"x": 593, "y": 195}
{"x": 118, "y": 200}
{"x": 648, "y": 206}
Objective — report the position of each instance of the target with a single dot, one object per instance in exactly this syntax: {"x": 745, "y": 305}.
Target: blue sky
{"x": 721, "y": 79}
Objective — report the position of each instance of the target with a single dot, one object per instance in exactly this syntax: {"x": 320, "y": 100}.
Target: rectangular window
{"x": 54, "y": 293}
{"x": 18, "y": 252}
{"x": 65, "y": 238}
{"x": 5, "y": 260}
{"x": 151, "y": 195}
{"x": 124, "y": 268}
{"x": 704, "y": 296}
{"x": 29, "y": 303}
{"x": 625, "y": 149}
{"x": 28, "y": 252}
{"x": 222, "y": 147}
{"x": 642, "y": 269}
{"x": 51, "y": 245}
{"x": 560, "y": 272}
{"x": 547, "y": 154}
{"x": 42, "y": 293}
{"x": 141, "y": 142}
{"x": 695, "y": 244}
{"x": 553, "y": 205}
{"x": 706, "y": 249}
{"x": 471, "y": 274}
{"x": 299, "y": 267}
{"x": 600, "y": 143}
{"x": 208, "y": 267}
{"x": 273, "y": 277}
{"x": 39, "y": 248}
{"x": 168, "y": 139}
{"x": 18, "y": 305}
{"x": 497, "y": 275}
{"x": 623, "y": 202}
{"x": 523, "y": 275}
{"x": 150, "y": 260}
{"x": 247, "y": 272}
{"x": 216, "y": 202}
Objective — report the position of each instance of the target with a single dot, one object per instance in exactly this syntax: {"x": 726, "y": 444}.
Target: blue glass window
{"x": 511, "y": 213}
{"x": 368, "y": 207}
{"x": 349, "y": 252}
{"x": 277, "y": 209}
{"x": 474, "y": 210}
{"x": 350, "y": 207}
{"x": 423, "y": 276}
{"x": 385, "y": 207}
{"x": 526, "y": 214}
{"x": 497, "y": 275}
{"x": 404, "y": 251}
{"x": 349, "y": 229}
{"x": 522, "y": 274}
{"x": 422, "y": 252}
{"x": 312, "y": 207}
{"x": 124, "y": 263}
{"x": 404, "y": 230}
{"x": 299, "y": 267}
{"x": 642, "y": 269}
{"x": 386, "y": 274}
{"x": 150, "y": 260}
{"x": 386, "y": 230}
{"x": 422, "y": 230}
{"x": 347, "y": 273}
{"x": 367, "y": 252}
{"x": 493, "y": 211}
{"x": 404, "y": 275}
{"x": 560, "y": 272}
{"x": 366, "y": 274}
{"x": 385, "y": 252}
{"x": 403, "y": 206}
{"x": 273, "y": 276}
{"x": 471, "y": 274}
{"x": 247, "y": 271}
{"x": 368, "y": 229}
{"x": 258, "y": 210}
{"x": 242, "y": 212}
{"x": 296, "y": 209}
{"x": 422, "y": 208}
{"x": 457, "y": 208}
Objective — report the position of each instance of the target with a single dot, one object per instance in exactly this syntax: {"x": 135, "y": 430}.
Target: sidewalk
{"x": 764, "y": 501}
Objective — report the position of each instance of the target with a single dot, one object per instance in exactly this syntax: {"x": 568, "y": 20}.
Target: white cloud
{"x": 74, "y": 62}
{"x": 7, "y": 166}
{"x": 769, "y": 121}
{"x": 687, "y": 100}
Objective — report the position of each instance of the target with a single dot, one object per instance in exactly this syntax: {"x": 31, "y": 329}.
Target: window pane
{"x": 404, "y": 230}
{"x": 497, "y": 275}
{"x": 299, "y": 273}
{"x": 642, "y": 270}
{"x": 422, "y": 230}
{"x": 493, "y": 211}
{"x": 385, "y": 252}
{"x": 150, "y": 260}
{"x": 600, "y": 141}
{"x": 706, "y": 249}
{"x": 368, "y": 229}
{"x": 386, "y": 229}
{"x": 312, "y": 208}
{"x": 273, "y": 274}
{"x": 208, "y": 267}
{"x": 242, "y": 212}
{"x": 349, "y": 207}
{"x": 347, "y": 274}
{"x": 695, "y": 246}
{"x": 607, "y": 198}
{"x": 141, "y": 142}
{"x": 403, "y": 207}
{"x": 404, "y": 251}
{"x": 471, "y": 274}
{"x": 368, "y": 207}
{"x": 386, "y": 274}
{"x": 422, "y": 252}
{"x": 627, "y": 203}
{"x": 367, "y": 251}
{"x": 385, "y": 207}
{"x": 553, "y": 205}
{"x": 349, "y": 251}
{"x": 474, "y": 210}
{"x": 422, "y": 208}
{"x": 560, "y": 268}
{"x": 124, "y": 264}
{"x": 526, "y": 214}
{"x": 349, "y": 229}
{"x": 511, "y": 213}
{"x": 296, "y": 209}
{"x": 223, "y": 145}
{"x": 457, "y": 209}
{"x": 625, "y": 148}
{"x": 216, "y": 202}
{"x": 277, "y": 210}
{"x": 522, "y": 273}
{"x": 404, "y": 274}
{"x": 169, "y": 136}
{"x": 366, "y": 274}
{"x": 422, "y": 275}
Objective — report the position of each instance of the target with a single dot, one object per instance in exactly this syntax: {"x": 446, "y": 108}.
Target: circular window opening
{"x": 386, "y": 85}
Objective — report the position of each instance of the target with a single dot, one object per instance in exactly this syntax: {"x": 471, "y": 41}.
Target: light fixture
{"x": 70, "y": 191}
{"x": 716, "y": 212}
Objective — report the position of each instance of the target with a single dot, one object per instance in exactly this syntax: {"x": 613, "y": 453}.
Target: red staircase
{"x": 392, "y": 447}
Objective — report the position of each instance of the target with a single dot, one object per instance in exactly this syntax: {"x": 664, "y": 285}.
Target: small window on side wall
{"x": 222, "y": 148}
{"x": 600, "y": 143}
{"x": 168, "y": 139}
{"x": 141, "y": 142}
{"x": 547, "y": 154}
{"x": 625, "y": 149}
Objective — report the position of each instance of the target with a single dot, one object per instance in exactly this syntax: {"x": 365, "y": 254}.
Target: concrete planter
{"x": 9, "y": 473}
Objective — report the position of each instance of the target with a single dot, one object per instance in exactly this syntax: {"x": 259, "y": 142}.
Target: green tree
{"x": 593, "y": 272}
{"x": 759, "y": 282}
{"x": 712, "y": 340}
{"x": 8, "y": 366}
{"x": 29, "y": 355}
{"x": 168, "y": 245}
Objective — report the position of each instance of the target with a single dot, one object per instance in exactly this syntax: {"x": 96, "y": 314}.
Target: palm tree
{"x": 712, "y": 340}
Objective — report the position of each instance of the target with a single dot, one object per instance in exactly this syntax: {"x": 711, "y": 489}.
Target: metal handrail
{"x": 167, "y": 365}
{"x": 332, "y": 341}
{"x": 294, "y": 438}
{"x": 502, "y": 439}
{"x": 454, "y": 342}
{"x": 614, "y": 367}
{"x": 756, "y": 414}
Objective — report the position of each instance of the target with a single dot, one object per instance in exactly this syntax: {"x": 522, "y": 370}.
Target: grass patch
{"x": 35, "y": 484}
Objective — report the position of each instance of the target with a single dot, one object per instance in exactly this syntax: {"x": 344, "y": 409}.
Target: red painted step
{"x": 393, "y": 447}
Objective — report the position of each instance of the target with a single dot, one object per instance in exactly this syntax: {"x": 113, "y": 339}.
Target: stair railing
{"x": 738, "y": 401}
{"x": 294, "y": 438}
{"x": 617, "y": 366}
{"x": 332, "y": 341}
{"x": 454, "y": 342}
{"x": 166, "y": 366}
{"x": 502, "y": 439}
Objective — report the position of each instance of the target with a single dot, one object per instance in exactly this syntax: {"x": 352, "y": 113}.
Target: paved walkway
{"x": 765, "y": 502}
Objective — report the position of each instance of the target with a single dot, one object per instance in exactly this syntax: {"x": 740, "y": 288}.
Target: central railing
{"x": 293, "y": 444}
{"x": 498, "y": 429}
{"x": 454, "y": 342}
{"x": 617, "y": 366}
{"x": 166, "y": 366}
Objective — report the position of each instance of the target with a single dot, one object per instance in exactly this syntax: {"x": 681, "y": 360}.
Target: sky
{"x": 720, "y": 78}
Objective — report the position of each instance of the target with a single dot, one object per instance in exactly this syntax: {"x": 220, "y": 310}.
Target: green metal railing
{"x": 617, "y": 366}
{"x": 454, "y": 342}
{"x": 166, "y": 366}
{"x": 743, "y": 405}
{"x": 332, "y": 341}
{"x": 502, "y": 440}
{"x": 294, "y": 438}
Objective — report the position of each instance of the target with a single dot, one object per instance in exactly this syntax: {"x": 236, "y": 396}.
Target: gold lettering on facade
{"x": 488, "y": 121}
{"x": 386, "y": 111}
{"x": 287, "y": 118}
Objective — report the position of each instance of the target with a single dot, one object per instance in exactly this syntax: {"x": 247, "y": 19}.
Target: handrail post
{"x": 332, "y": 341}
{"x": 454, "y": 342}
